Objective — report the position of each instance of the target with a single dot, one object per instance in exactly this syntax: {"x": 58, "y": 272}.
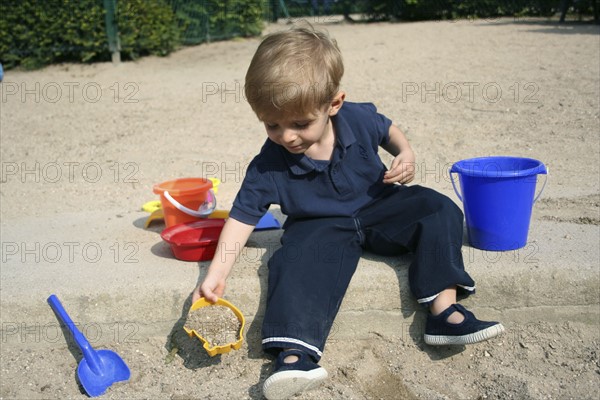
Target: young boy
{"x": 320, "y": 164}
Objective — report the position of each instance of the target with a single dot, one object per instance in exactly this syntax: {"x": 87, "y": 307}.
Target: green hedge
{"x": 495, "y": 8}
{"x": 449, "y": 9}
{"x": 34, "y": 33}
{"x": 205, "y": 20}
{"x": 146, "y": 27}
{"x": 39, "y": 32}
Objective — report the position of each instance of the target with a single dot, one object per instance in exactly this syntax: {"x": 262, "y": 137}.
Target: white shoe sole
{"x": 284, "y": 384}
{"x": 487, "y": 333}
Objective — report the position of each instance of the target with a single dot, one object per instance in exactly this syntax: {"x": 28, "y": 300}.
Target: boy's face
{"x": 299, "y": 133}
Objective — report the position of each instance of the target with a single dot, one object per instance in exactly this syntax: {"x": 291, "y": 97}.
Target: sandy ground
{"x": 82, "y": 145}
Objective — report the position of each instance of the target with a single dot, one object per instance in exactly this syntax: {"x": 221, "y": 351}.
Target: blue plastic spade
{"x": 268, "y": 221}
{"x": 99, "y": 368}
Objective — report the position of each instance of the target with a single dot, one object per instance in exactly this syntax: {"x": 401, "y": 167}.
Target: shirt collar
{"x": 299, "y": 164}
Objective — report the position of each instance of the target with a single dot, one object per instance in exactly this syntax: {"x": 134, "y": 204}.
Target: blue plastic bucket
{"x": 498, "y": 194}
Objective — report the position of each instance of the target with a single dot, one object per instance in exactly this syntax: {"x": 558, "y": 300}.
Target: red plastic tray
{"x": 194, "y": 241}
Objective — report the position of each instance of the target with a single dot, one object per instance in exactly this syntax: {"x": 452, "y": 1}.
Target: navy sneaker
{"x": 289, "y": 379}
{"x": 439, "y": 331}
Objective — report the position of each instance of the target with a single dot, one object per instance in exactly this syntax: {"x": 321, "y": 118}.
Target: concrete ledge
{"x": 134, "y": 285}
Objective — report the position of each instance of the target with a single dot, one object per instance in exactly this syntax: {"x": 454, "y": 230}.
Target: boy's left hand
{"x": 402, "y": 169}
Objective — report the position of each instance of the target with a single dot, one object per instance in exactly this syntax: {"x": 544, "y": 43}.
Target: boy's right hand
{"x": 211, "y": 289}
{"x": 235, "y": 234}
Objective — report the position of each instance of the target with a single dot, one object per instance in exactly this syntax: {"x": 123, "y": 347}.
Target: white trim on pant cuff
{"x": 294, "y": 341}
{"x": 427, "y": 299}
{"x": 431, "y": 298}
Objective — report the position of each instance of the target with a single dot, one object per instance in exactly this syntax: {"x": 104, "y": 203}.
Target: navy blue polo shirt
{"x": 305, "y": 188}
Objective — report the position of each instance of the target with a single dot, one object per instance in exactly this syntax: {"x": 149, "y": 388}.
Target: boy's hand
{"x": 402, "y": 169}
{"x": 211, "y": 289}
{"x": 403, "y": 166}
{"x": 235, "y": 234}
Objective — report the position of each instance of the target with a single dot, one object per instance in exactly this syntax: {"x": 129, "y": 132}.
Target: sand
{"x": 218, "y": 325}
{"x": 82, "y": 145}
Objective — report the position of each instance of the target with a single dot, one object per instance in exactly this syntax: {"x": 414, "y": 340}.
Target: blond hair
{"x": 293, "y": 72}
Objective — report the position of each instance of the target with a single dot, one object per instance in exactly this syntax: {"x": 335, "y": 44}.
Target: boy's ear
{"x": 336, "y": 103}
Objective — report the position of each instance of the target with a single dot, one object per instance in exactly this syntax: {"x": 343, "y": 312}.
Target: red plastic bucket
{"x": 185, "y": 200}
{"x": 194, "y": 241}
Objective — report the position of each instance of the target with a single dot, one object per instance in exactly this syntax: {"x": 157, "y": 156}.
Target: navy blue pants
{"x": 309, "y": 274}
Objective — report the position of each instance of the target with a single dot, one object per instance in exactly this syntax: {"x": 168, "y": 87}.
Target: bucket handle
{"x": 543, "y": 186}
{"x": 202, "y": 212}
{"x": 454, "y": 185}
{"x": 543, "y": 170}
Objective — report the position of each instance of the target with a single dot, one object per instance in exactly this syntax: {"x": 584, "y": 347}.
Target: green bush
{"x": 448, "y": 9}
{"x": 494, "y": 8}
{"x": 34, "y": 33}
{"x": 37, "y": 32}
{"x": 205, "y": 20}
{"x": 146, "y": 27}
{"x": 428, "y": 9}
